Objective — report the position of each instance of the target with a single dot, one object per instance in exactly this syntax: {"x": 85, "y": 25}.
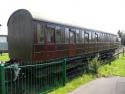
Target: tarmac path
{"x": 111, "y": 85}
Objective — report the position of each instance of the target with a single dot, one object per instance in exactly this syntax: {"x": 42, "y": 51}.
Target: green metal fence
{"x": 35, "y": 78}
{"x": 2, "y": 79}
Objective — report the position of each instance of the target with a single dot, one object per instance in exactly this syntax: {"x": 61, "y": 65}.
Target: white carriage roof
{"x": 38, "y": 17}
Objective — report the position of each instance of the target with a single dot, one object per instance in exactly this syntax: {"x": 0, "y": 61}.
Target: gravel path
{"x": 111, "y": 85}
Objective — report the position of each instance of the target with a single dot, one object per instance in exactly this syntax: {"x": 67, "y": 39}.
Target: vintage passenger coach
{"x": 35, "y": 39}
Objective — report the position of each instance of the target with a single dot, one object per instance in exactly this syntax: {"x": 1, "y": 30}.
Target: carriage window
{"x": 109, "y": 38}
{"x": 40, "y": 33}
{"x": 114, "y": 39}
{"x": 63, "y": 35}
{"x": 77, "y": 36}
{"x": 82, "y": 36}
{"x": 58, "y": 35}
{"x": 96, "y": 37}
{"x": 86, "y": 37}
{"x": 101, "y": 37}
{"x": 106, "y": 37}
{"x": 50, "y": 35}
{"x": 72, "y": 37}
{"x": 93, "y": 37}
{"x": 66, "y": 35}
{"x": 90, "y": 36}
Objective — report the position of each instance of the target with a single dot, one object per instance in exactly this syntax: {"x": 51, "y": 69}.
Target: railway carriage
{"x": 34, "y": 39}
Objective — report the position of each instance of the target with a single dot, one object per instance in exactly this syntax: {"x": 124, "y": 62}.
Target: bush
{"x": 94, "y": 65}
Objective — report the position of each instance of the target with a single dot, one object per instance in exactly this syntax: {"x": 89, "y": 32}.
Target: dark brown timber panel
{"x": 20, "y": 35}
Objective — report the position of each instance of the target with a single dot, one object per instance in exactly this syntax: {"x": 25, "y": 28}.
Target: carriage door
{"x": 96, "y": 42}
{"x": 86, "y": 41}
{"x": 50, "y": 41}
{"x": 72, "y": 46}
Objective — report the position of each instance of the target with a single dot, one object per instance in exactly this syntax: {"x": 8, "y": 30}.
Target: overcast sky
{"x": 104, "y": 15}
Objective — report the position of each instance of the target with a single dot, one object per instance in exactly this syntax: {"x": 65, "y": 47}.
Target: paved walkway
{"x": 112, "y": 85}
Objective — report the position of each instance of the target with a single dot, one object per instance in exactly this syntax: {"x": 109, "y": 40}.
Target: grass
{"x": 4, "y": 57}
{"x": 115, "y": 68}
{"x": 75, "y": 83}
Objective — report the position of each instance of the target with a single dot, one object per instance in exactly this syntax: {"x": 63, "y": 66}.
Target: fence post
{"x": 64, "y": 72}
{"x": 123, "y": 52}
{"x": 118, "y": 53}
{"x": 2, "y": 79}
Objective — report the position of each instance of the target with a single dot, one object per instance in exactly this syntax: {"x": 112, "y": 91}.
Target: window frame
{"x": 52, "y": 28}
{"x": 83, "y": 36}
{"x": 72, "y": 31}
{"x": 77, "y": 36}
{"x": 59, "y": 29}
{"x": 66, "y": 35}
{"x": 41, "y": 31}
{"x": 86, "y": 38}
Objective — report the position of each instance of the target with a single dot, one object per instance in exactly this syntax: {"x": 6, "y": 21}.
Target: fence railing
{"x": 31, "y": 79}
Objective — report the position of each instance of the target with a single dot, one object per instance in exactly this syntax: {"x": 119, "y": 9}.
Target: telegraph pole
{"x": 0, "y": 27}
{"x": 0, "y": 30}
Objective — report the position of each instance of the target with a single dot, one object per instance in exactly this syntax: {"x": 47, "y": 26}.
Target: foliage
{"x": 94, "y": 65}
{"x": 121, "y": 34}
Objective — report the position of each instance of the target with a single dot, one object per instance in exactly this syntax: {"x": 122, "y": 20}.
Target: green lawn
{"x": 74, "y": 84}
{"x": 4, "y": 57}
{"x": 115, "y": 68}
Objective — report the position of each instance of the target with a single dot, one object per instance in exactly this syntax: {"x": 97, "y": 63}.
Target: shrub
{"x": 94, "y": 65}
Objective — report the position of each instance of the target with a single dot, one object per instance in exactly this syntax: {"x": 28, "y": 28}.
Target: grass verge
{"x": 115, "y": 68}
{"x": 75, "y": 83}
{"x": 4, "y": 57}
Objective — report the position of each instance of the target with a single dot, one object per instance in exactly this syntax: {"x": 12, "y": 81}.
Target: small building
{"x": 3, "y": 44}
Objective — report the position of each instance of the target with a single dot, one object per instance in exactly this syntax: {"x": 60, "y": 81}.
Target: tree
{"x": 121, "y": 34}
